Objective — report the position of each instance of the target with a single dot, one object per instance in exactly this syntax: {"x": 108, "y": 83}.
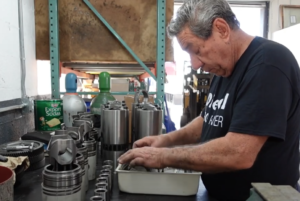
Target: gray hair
{"x": 199, "y": 16}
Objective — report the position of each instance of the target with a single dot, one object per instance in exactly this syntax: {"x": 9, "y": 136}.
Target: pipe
{"x": 14, "y": 107}
{"x": 22, "y": 49}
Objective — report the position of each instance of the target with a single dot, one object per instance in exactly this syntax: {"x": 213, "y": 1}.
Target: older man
{"x": 249, "y": 129}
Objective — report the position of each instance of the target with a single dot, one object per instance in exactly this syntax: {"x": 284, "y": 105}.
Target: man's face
{"x": 213, "y": 55}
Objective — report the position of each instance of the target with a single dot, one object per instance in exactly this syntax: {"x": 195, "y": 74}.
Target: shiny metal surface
{"x": 115, "y": 126}
{"x": 90, "y": 144}
{"x": 70, "y": 178}
{"x": 96, "y": 198}
{"x": 113, "y": 156}
{"x": 62, "y": 150}
{"x": 108, "y": 176}
{"x": 102, "y": 192}
{"x": 149, "y": 122}
{"x": 88, "y": 125}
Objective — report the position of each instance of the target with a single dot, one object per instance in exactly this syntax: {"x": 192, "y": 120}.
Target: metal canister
{"x": 48, "y": 114}
{"x": 149, "y": 121}
{"x": 115, "y": 126}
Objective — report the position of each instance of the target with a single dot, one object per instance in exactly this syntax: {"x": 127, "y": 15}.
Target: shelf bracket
{"x": 101, "y": 18}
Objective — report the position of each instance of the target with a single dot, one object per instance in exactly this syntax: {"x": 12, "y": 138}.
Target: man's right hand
{"x": 152, "y": 141}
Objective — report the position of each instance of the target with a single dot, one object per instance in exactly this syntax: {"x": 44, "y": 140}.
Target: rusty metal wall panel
{"x": 84, "y": 38}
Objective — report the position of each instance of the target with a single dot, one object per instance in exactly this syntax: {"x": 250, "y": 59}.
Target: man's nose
{"x": 196, "y": 62}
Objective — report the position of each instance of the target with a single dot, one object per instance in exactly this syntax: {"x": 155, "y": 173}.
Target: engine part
{"x": 80, "y": 161}
{"x": 83, "y": 150}
{"x": 35, "y": 154}
{"x": 102, "y": 192}
{"x": 149, "y": 121}
{"x": 96, "y": 198}
{"x": 62, "y": 179}
{"x": 92, "y": 157}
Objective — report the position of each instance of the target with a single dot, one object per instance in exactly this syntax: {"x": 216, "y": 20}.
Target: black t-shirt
{"x": 261, "y": 97}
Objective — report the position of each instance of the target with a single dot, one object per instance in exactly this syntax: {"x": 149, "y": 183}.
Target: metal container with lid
{"x": 115, "y": 125}
{"x": 48, "y": 114}
{"x": 115, "y": 130}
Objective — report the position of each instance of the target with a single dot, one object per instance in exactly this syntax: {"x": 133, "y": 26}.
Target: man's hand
{"x": 151, "y": 141}
{"x": 149, "y": 157}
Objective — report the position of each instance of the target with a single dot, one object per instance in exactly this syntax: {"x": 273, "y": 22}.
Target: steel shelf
{"x": 138, "y": 67}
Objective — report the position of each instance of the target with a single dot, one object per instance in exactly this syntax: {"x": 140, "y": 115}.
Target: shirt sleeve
{"x": 263, "y": 102}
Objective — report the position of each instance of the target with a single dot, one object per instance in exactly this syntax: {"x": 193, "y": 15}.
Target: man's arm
{"x": 190, "y": 134}
{"x": 233, "y": 152}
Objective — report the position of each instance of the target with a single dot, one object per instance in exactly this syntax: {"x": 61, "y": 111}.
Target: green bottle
{"x": 104, "y": 96}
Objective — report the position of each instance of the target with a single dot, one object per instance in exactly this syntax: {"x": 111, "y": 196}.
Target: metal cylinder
{"x": 113, "y": 155}
{"x": 108, "y": 162}
{"x": 102, "y": 184}
{"x": 149, "y": 122}
{"x": 101, "y": 192}
{"x": 83, "y": 150}
{"x": 115, "y": 126}
{"x": 107, "y": 175}
{"x": 80, "y": 161}
{"x": 96, "y": 198}
{"x": 62, "y": 185}
{"x": 92, "y": 157}
{"x": 108, "y": 167}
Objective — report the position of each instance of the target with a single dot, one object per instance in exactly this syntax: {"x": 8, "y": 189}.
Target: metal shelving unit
{"x": 160, "y": 58}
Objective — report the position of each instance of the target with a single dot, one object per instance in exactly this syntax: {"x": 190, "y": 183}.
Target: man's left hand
{"x": 149, "y": 157}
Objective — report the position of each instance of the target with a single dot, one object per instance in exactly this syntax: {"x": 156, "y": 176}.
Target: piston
{"x": 62, "y": 179}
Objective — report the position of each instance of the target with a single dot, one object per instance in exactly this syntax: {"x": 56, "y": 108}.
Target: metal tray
{"x": 169, "y": 182}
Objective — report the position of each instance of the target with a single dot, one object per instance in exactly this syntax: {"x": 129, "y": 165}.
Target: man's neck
{"x": 241, "y": 42}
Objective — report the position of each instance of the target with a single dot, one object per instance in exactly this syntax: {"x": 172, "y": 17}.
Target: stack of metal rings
{"x": 83, "y": 150}
{"x": 62, "y": 185}
{"x": 104, "y": 182}
{"x": 80, "y": 161}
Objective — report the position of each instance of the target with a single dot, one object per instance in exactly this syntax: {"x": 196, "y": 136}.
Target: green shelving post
{"x": 160, "y": 50}
{"x": 54, "y": 47}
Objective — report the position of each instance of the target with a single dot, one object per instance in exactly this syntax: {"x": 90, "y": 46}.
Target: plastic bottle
{"x": 104, "y": 96}
{"x": 72, "y": 103}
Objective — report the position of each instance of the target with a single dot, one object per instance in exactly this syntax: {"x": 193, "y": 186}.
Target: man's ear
{"x": 221, "y": 28}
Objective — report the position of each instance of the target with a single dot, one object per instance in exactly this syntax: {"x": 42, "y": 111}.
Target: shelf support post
{"x": 160, "y": 50}
{"x": 54, "y": 47}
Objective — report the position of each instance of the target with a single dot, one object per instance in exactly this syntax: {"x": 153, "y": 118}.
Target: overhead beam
{"x": 79, "y": 74}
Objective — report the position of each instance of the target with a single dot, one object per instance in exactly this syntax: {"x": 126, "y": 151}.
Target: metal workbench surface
{"x": 29, "y": 189}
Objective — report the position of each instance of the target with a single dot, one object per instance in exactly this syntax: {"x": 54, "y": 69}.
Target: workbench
{"x": 29, "y": 189}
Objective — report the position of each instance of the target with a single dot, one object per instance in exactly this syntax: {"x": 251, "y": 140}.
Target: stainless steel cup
{"x": 107, "y": 175}
{"x": 102, "y": 192}
{"x": 108, "y": 162}
{"x": 96, "y": 198}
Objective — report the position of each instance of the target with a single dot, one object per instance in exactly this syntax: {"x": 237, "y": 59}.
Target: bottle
{"x": 104, "y": 96}
{"x": 72, "y": 103}
{"x": 131, "y": 85}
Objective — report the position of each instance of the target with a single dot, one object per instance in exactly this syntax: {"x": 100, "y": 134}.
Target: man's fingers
{"x": 139, "y": 143}
{"x": 127, "y": 157}
{"x": 137, "y": 162}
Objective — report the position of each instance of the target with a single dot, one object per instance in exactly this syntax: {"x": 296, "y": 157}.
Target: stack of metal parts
{"x": 104, "y": 182}
{"x": 62, "y": 179}
{"x": 76, "y": 133}
{"x": 114, "y": 130}
{"x": 33, "y": 149}
{"x": 146, "y": 118}
{"x": 90, "y": 143}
